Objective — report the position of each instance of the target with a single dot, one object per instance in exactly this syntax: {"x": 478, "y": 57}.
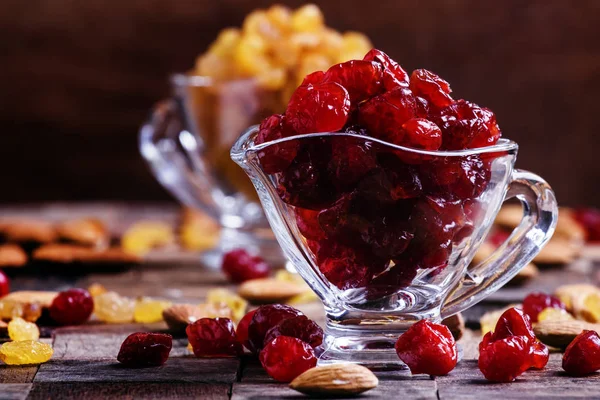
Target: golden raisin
{"x": 233, "y": 301}
{"x": 148, "y": 310}
{"x": 111, "y": 307}
{"x": 19, "y": 329}
{"x": 26, "y": 352}
{"x": 143, "y": 236}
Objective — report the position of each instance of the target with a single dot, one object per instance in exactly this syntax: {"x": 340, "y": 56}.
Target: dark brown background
{"x": 78, "y": 78}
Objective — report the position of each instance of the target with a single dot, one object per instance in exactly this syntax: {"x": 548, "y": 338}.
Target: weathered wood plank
{"x": 176, "y": 370}
{"x": 14, "y": 391}
{"x": 102, "y": 391}
{"x": 14, "y": 374}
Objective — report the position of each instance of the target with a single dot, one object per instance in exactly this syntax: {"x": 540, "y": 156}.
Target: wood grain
{"x": 14, "y": 391}
{"x": 145, "y": 390}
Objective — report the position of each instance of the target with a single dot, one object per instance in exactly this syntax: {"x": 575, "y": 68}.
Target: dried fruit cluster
{"x": 363, "y": 206}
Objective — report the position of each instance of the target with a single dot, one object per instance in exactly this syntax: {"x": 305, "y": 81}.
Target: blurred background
{"x": 78, "y": 79}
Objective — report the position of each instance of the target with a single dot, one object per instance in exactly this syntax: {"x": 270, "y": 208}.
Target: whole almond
{"x": 43, "y": 298}
{"x": 558, "y": 251}
{"x": 269, "y": 290}
{"x": 179, "y": 316}
{"x": 456, "y": 324}
{"x": 335, "y": 380}
{"x": 569, "y": 294}
{"x": 560, "y": 333}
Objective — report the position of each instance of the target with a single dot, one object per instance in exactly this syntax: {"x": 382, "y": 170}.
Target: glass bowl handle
{"x": 540, "y": 213}
{"x": 173, "y": 154}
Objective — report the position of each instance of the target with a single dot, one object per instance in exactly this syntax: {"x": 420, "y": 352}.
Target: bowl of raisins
{"x": 380, "y": 187}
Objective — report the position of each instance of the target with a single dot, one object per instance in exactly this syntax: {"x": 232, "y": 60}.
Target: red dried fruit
{"x": 498, "y": 237}
{"x": 513, "y": 322}
{"x": 265, "y": 318}
{"x": 428, "y": 348}
{"x": 431, "y": 87}
{"x": 462, "y": 177}
{"x": 284, "y": 358}
{"x": 466, "y": 125}
{"x": 535, "y": 302}
{"x": 308, "y": 224}
{"x": 540, "y": 355}
{"x": 390, "y": 182}
{"x": 213, "y": 337}
{"x": 313, "y": 78}
{"x": 589, "y": 218}
{"x": 299, "y": 327}
{"x": 505, "y": 359}
{"x": 72, "y": 307}
{"x": 384, "y": 115}
{"x": 4, "y": 284}
{"x": 393, "y": 74}
{"x": 388, "y": 237}
{"x": 351, "y": 159}
{"x": 582, "y": 356}
{"x": 277, "y": 157}
{"x": 302, "y": 185}
{"x": 361, "y": 78}
{"x": 422, "y": 134}
{"x": 239, "y": 266}
{"x": 242, "y": 330}
{"x": 398, "y": 277}
{"x": 320, "y": 107}
{"x": 347, "y": 267}
{"x": 144, "y": 349}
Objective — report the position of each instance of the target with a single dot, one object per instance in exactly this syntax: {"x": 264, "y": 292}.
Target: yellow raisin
{"x": 148, "y": 310}
{"x": 26, "y": 352}
{"x": 354, "y": 46}
{"x": 281, "y": 17}
{"x": 19, "y": 329}
{"x": 306, "y": 297}
{"x": 554, "y": 314}
{"x": 307, "y": 18}
{"x": 143, "y": 236}
{"x": 226, "y": 42}
{"x": 111, "y": 307}
{"x": 591, "y": 311}
{"x": 199, "y": 233}
{"x": 250, "y": 56}
{"x": 233, "y": 301}
{"x": 96, "y": 289}
{"x": 10, "y": 309}
{"x": 272, "y": 79}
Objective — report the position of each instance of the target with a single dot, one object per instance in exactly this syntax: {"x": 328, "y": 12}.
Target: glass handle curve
{"x": 173, "y": 154}
{"x": 540, "y": 215}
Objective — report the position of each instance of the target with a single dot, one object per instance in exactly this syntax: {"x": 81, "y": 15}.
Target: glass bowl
{"x": 186, "y": 142}
{"x": 384, "y": 234}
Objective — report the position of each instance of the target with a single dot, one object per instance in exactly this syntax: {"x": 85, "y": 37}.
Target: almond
{"x": 25, "y": 304}
{"x": 42, "y": 298}
{"x": 560, "y": 333}
{"x": 335, "y": 380}
{"x": 456, "y": 324}
{"x": 87, "y": 232}
{"x": 570, "y": 294}
{"x": 269, "y": 290}
{"x": 558, "y": 251}
{"x": 12, "y": 255}
{"x": 179, "y": 316}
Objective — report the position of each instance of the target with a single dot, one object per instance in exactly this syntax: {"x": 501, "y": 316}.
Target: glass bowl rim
{"x": 503, "y": 144}
{"x": 187, "y": 79}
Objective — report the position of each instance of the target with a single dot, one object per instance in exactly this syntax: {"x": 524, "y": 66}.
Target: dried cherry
{"x": 4, "y": 284}
{"x": 213, "y": 337}
{"x": 582, "y": 356}
{"x": 421, "y": 133}
{"x": 143, "y": 349}
{"x": 384, "y": 115}
{"x": 589, "y": 218}
{"x": 276, "y": 157}
{"x": 72, "y": 307}
{"x": 535, "y": 302}
{"x": 265, "y": 318}
{"x": 503, "y": 360}
{"x": 240, "y": 266}
{"x": 319, "y": 107}
{"x": 361, "y": 78}
{"x": 466, "y": 125}
{"x": 393, "y": 74}
{"x": 308, "y": 224}
{"x": 299, "y": 327}
{"x": 431, "y": 87}
{"x": 427, "y": 348}
{"x": 284, "y": 358}
{"x": 242, "y": 330}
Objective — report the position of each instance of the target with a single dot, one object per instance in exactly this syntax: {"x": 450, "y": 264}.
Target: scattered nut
{"x": 69, "y": 253}
{"x": 558, "y": 251}
{"x": 269, "y": 290}
{"x": 179, "y": 316}
{"x": 456, "y": 324}
{"x": 559, "y": 333}
{"x": 88, "y": 232}
{"x": 25, "y": 304}
{"x": 12, "y": 255}
{"x": 574, "y": 293}
{"x": 198, "y": 231}
{"x": 335, "y": 380}
{"x": 29, "y": 231}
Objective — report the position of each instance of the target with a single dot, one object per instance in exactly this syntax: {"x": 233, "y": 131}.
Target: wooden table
{"x": 84, "y": 363}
